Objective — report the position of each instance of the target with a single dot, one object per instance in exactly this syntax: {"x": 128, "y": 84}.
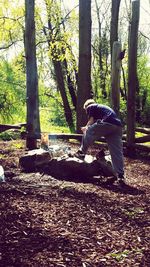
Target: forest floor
{"x": 46, "y": 221}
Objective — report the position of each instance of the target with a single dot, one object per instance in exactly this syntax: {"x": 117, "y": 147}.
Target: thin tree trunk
{"x": 100, "y": 48}
{"x": 33, "y": 121}
{"x": 132, "y": 75}
{"x": 84, "y": 74}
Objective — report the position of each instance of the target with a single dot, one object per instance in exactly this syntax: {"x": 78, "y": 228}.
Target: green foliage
{"x": 12, "y": 95}
{"x": 17, "y": 145}
{"x": 53, "y": 113}
{"x": 9, "y": 135}
{"x": 119, "y": 256}
{"x": 133, "y": 213}
{"x": 11, "y": 22}
{"x": 144, "y": 83}
{"x": 57, "y": 39}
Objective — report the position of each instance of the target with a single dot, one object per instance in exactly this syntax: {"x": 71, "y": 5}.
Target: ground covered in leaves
{"x": 47, "y": 221}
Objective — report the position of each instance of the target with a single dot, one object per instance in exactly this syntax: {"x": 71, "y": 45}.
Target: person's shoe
{"x": 111, "y": 180}
{"x": 80, "y": 155}
{"x": 121, "y": 180}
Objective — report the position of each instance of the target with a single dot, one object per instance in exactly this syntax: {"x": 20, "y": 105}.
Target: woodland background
{"x": 55, "y": 219}
{"x": 57, "y": 43}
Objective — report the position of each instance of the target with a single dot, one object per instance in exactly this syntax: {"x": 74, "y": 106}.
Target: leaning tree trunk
{"x": 71, "y": 85}
{"x": 59, "y": 73}
{"x": 84, "y": 74}
{"x": 62, "y": 90}
{"x": 33, "y": 122}
{"x": 132, "y": 75}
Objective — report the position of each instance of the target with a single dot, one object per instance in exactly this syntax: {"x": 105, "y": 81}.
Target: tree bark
{"x": 71, "y": 85}
{"x": 100, "y": 53}
{"x": 84, "y": 74}
{"x": 132, "y": 74}
{"x": 115, "y": 77}
{"x": 59, "y": 71}
{"x": 33, "y": 121}
{"x": 61, "y": 87}
{"x": 114, "y": 23}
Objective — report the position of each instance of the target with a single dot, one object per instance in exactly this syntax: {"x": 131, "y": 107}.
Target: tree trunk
{"x": 114, "y": 23}
{"x": 61, "y": 87}
{"x": 132, "y": 74}
{"x": 115, "y": 77}
{"x": 100, "y": 54}
{"x": 58, "y": 71}
{"x": 33, "y": 121}
{"x": 84, "y": 78}
{"x": 71, "y": 85}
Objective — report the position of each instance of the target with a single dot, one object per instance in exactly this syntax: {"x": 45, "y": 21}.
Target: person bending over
{"x": 103, "y": 121}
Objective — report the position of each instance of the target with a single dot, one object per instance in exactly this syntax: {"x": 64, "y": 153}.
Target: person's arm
{"x": 90, "y": 122}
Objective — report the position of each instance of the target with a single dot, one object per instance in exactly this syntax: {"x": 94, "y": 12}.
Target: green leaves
{"x": 12, "y": 91}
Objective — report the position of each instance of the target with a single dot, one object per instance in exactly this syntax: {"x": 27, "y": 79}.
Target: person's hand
{"x": 83, "y": 129}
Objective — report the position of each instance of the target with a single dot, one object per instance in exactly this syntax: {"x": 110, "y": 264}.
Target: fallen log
{"x": 78, "y": 137}
{"x": 142, "y": 148}
{"x": 101, "y": 139}
{"x": 142, "y": 130}
{"x": 66, "y": 136}
{"x": 142, "y": 139}
{"x": 5, "y": 127}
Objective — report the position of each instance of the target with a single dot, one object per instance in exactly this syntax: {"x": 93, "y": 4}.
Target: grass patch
{"x": 18, "y": 145}
{"x": 9, "y": 135}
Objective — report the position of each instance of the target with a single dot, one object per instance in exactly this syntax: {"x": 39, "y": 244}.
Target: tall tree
{"x": 115, "y": 5}
{"x": 132, "y": 74}
{"x": 84, "y": 73}
{"x": 33, "y": 121}
{"x": 53, "y": 36}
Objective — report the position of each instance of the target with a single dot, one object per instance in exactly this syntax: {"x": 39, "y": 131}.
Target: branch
{"x": 11, "y": 18}
{"x": 50, "y": 95}
{"x": 9, "y": 45}
{"x": 144, "y": 35}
